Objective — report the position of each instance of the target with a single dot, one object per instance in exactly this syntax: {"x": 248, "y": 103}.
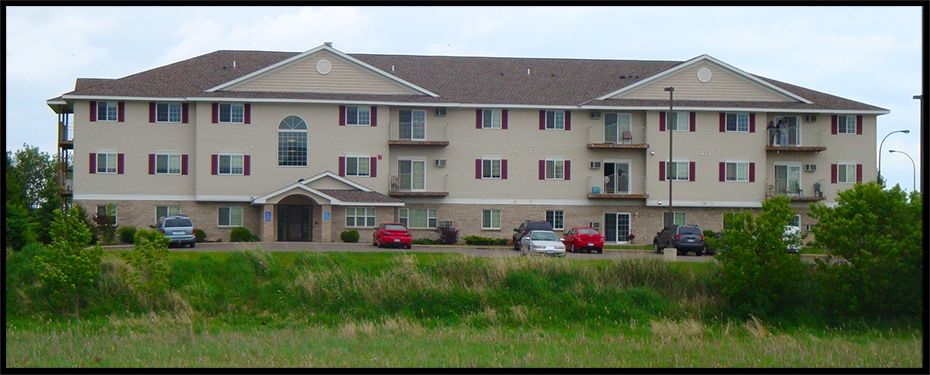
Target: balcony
{"x": 610, "y": 192}
{"x": 65, "y": 133}
{"x": 795, "y": 193}
{"x": 65, "y": 181}
{"x": 788, "y": 140}
{"x": 598, "y": 140}
{"x": 401, "y": 189}
{"x": 429, "y": 136}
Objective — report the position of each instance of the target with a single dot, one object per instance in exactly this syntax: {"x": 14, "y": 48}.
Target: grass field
{"x": 260, "y": 309}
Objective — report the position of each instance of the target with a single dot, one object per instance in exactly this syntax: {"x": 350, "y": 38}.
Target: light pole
{"x": 880, "y": 150}
{"x": 668, "y": 165}
{"x": 921, "y": 126}
{"x": 913, "y": 169}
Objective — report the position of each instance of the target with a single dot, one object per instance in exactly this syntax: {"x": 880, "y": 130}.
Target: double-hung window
{"x": 555, "y": 169}
{"x": 231, "y": 113}
{"x": 164, "y": 211}
{"x": 358, "y": 166}
{"x": 106, "y": 162}
{"x": 168, "y": 112}
{"x": 358, "y": 115}
{"x": 491, "y": 119}
{"x": 491, "y": 219}
{"x": 679, "y": 121}
{"x": 167, "y": 163}
{"x": 491, "y": 169}
{"x": 737, "y": 122}
{"x": 556, "y": 218}
{"x": 229, "y": 216}
{"x": 107, "y": 111}
{"x": 846, "y": 173}
{"x": 418, "y": 218}
{"x": 846, "y": 124}
{"x": 360, "y": 217}
{"x": 678, "y": 170}
{"x": 412, "y": 124}
{"x": 106, "y": 214}
{"x": 737, "y": 171}
{"x": 555, "y": 120}
{"x": 231, "y": 164}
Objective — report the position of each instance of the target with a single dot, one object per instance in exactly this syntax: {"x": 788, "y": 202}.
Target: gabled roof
{"x": 355, "y": 195}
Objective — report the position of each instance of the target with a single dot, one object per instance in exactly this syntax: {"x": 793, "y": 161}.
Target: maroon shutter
{"x": 93, "y": 163}
{"x": 342, "y": 166}
{"x": 247, "y": 113}
{"x": 247, "y": 165}
{"x": 477, "y": 169}
{"x": 859, "y": 125}
{"x": 93, "y": 111}
{"x": 120, "y": 111}
{"x": 120, "y": 159}
{"x": 151, "y": 111}
{"x": 214, "y": 164}
{"x": 374, "y": 166}
{"x": 151, "y": 163}
{"x": 478, "y": 116}
{"x": 542, "y": 120}
{"x": 833, "y": 173}
{"x": 184, "y": 164}
{"x": 752, "y": 172}
{"x": 568, "y": 169}
{"x": 542, "y": 169}
{"x": 342, "y": 115}
{"x": 568, "y": 120}
{"x": 723, "y": 123}
{"x": 693, "y": 122}
{"x": 374, "y": 116}
{"x": 185, "y": 110}
{"x": 723, "y": 172}
{"x": 215, "y": 110}
{"x": 661, "y": 121}
{"x": 503, "y": 169}
{"x": 691, "y": 170}
{"x": 752, "y": 122}
{"x": 833, "y": 126}
{"x": 858, "y": 173}
{"x": 661, "y": 171}
{"x": 504, "y": 119}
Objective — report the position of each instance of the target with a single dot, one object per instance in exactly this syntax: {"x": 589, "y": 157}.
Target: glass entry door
{"x": 616, "y": 226}
{"x": 788, "y": 179}
{"x": 295, "y": 223}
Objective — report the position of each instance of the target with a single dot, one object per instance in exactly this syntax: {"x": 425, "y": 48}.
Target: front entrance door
{"x": 616, "y": 226}
{"x": 295, "y": 223}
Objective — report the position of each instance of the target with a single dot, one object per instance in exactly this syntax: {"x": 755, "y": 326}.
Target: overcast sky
{"x": 868, "y": 54}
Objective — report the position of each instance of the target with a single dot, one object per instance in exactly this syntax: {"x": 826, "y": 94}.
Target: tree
{"x": 69, "y": 272}
{"x": 31, "y": 182}
{"x": 877, "y": 235}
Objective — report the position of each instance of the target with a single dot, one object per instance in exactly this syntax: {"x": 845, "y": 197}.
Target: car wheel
{"x": 571, "y": 247}
{"x": 699, "y": 252}
{"x": 193, "y": 244}
{"x": 600, "y": 251}
{"x": 658, "y": 249}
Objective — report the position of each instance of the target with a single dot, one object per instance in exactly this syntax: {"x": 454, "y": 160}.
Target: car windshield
{"x": 172, "y": 223}
{"x": 543, "y": 236}
{"x": 587, "y": 231}
{"x": 395, "y": 227}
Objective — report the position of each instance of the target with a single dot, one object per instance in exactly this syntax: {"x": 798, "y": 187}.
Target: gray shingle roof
{"x": 358, "y": 196}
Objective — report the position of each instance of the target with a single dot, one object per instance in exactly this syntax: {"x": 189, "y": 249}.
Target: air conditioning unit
{"x": 595, "y": 114}
{"x": 810, "y": 167}
{"x": 440, "y": 162}
{"x": 594, "y": 224}
{"x": 810, "y": 118}
{"x": 595, "y": 165}
{"x": 441, "y": 112}
{"x": 445, "y": 224}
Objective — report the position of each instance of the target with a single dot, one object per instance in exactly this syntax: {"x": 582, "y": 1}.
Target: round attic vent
{"x": 703, "y": 75}
{"x": 324, "y": 66}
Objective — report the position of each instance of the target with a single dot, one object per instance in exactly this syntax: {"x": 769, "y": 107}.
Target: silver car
{"x": 179, "y": 229}
{"x": 542, "y": 242}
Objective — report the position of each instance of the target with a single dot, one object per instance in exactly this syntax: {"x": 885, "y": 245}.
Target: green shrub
{"x": 149, "y": 258}
{"x": 448, "y": 235}
{"x": 426, "y": 241}
{"x": 126, "y": 234}
{"x": 242, "y": 234}
{"x": 484, "y": 241}
{"x": 199, "y": 235}
{"x": 350, "y": 236}
{"x": 69, "y": 273}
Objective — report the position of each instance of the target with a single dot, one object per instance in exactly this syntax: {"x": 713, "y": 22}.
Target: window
{"x": 292, "y": 142}
{"x": 846, "y": 124}
{"x": 737, "y": 171}
{"x": 795, "y": 221}
{"x": 411, "y": 174}
{"x": 231, "y": 164}
{"x": 358, "y": 166}
{"x": 164, "y": 211}
{"x": 107, "y": 111}
{"x": 491, "y": 219}
{"x": 106, "y": 162}
{"x": 737, "y": 122}
{"x": 360, "y": 217}
{"x": 787, "y": 179}
{"x": 231, "y": 112}
{"x": 679, "y": 121}
{"x": 491, "y": 119}
{"x": 846, "y": 173}
{"x": 616, "y": 127}
{"x": 106, "y": 214}
{"x": 555, "y": 169}
{"x": 168, "y": 112}
{"x": 491, "y": 169}
{"x": 167, "y": 163}
{"x": 555, "y": 120}
{"x": 678, "y": 170}
{"x": 358, "y": 115}
{"x": 412, "y": 124}
{"x": 422, "y": 218}
{"x": 556, "y": 218}
{"x": 230, "y": 217}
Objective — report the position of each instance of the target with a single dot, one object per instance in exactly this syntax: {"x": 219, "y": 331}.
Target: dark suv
{"x": 179, "y": 229}
{"x": 683, "y": 238}
{"x": 525, "y": 228}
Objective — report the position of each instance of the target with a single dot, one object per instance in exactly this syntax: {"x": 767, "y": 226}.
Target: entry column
{"x": 266, "y": 231}
{"x": 326, "y": 223}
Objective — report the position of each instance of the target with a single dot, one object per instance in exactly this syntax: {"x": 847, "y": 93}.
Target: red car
{"x": 392, "y": 234}
{"x": 583, "y": 238}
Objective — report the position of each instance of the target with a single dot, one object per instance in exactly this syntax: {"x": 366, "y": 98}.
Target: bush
{"x": 126, "y": 234}
{"x": 485, "y": 241}
{"x": 448, "y": 235}
{"x": 242, "y": 234}
{"x": 149, "y": 258}
{"x": 199, "y": 235}
{"x": 69, "y": 273}
{"x": 351, "y": 236}
{"x": 426, "y": 241}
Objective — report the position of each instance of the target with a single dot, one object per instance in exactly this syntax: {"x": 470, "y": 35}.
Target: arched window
{"x": 292, "y": 142}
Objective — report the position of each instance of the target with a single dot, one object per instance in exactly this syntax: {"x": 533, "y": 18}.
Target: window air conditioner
{"x": 441, "y": 112}
{"x": 440, "y": 162}
{"x": 595, "y": 165}
{"x": 810, "y": 167}
{"x": 595, "y": 114}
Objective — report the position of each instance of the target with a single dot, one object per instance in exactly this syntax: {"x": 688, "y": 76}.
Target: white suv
{"x": 179, "y": 228}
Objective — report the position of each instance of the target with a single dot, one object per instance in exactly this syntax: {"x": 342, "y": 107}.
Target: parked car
{"x": 542, "y": 242}
{"x": 583, "y": 238}
{"x": 684, "y": 238}
{"x": 392, "y": 234}
{"x": 179, "y": 229}
{"x": 526, "y": 227}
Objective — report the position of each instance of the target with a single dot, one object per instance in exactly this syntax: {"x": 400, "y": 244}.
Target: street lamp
{"x": 668, "y": 165}
{"x": 880, "y": 150}
{"x": 913, "y": 169}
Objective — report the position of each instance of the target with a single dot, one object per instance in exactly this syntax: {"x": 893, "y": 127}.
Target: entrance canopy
{"x": 328, "y": 188}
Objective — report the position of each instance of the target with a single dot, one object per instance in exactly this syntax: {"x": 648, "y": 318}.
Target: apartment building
{"x": 301, "y": 146}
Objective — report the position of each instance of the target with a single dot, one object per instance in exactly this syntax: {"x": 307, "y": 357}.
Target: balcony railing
{"x": 624, "y": 140}
{"x": 403, "y": 190}
{"x": 608, "y": 190}
{"x": 432, "y": 136}
{"x": 788, "y": 140}
{"x": 795, "y": 193}
{"x": 65, "y": 133}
